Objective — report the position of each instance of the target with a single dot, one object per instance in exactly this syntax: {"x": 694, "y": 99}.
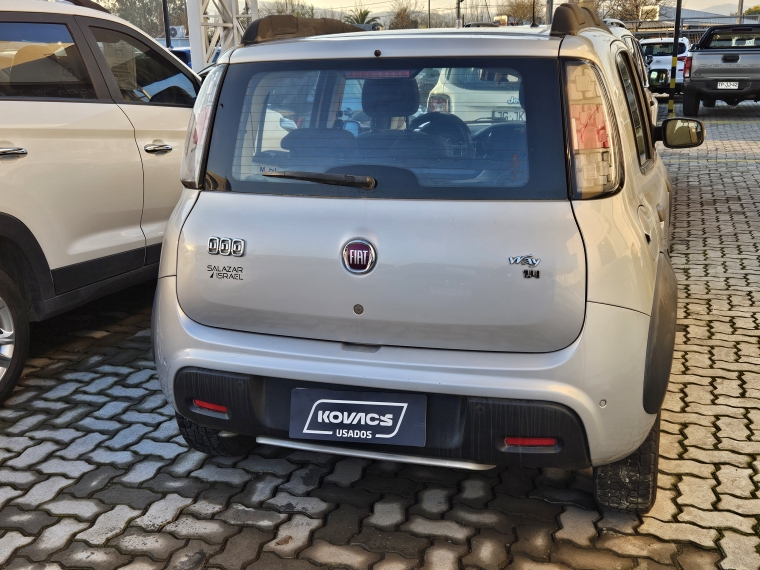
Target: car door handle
{"x": 13, "y": 151}
{"x": 154, "y": 148}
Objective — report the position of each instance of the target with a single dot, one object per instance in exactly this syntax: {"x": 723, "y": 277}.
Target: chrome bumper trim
{"x": 379, "y": 456}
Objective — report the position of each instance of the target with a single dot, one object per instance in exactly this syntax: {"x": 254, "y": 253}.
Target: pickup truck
{"x": 724, "y": 65}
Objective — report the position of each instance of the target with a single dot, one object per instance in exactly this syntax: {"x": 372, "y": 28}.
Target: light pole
{"x": 167, "y": 28}
{"x": 533, "y": 23}
{"x": 674, "y": 61}
{"x": 428, "y": 14}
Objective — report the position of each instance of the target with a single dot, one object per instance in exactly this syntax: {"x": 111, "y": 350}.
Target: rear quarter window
{"x": 437, "y": 128}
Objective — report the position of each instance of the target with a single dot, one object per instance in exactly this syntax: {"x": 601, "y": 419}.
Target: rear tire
{"x": 690, "y": 104}
{"x": 709, "y": 103}
{"x": 208, "y": 441}
{"x": 631, "y": 483}
{"x": 14, "y": 335}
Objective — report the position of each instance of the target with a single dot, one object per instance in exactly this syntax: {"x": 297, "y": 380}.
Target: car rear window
{"x": 440, "y": 128}
{"x": 734, "y": 39}
{"x": 663, "y": 48}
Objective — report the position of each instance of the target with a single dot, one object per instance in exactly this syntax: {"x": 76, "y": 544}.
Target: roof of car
{"x": 44, "y": 6}
{"x": 54, "y": 8}
{"x": 473, "y": 42}
{"x": 682, "y": 40}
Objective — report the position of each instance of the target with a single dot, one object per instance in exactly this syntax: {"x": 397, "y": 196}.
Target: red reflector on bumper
{"x": 531, "y": 441}
{"x": 210, "y": 406}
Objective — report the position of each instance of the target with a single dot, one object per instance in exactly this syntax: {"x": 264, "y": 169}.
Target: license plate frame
{"x": 364, "y": 417}
{"x": 728, "y": 85}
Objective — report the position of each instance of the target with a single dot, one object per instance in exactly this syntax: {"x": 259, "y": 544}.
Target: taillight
{"x": 686, "y": 59}
{"x": 211, "y": 407}
{"x": 439, "y": 104}
{"x": 592, "y": 133}
{"x": 530, "y": 441}
{"x": 197, "y": 130}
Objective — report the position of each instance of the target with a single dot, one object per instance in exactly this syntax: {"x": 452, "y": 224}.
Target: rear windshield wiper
{"x": 364, "y": 182}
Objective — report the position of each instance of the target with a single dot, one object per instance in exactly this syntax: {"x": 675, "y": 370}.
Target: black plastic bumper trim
{"x": 662, "y": 336}
{"x": 458, "y": 427}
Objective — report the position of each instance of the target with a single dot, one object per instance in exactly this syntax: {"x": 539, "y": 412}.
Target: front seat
{"x": 386, "y": 99}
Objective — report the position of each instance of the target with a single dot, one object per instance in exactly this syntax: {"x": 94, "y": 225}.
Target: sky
{"x": 446, "y": 5}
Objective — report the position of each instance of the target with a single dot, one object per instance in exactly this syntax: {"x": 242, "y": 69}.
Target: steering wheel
{"x": 451, "y": 128}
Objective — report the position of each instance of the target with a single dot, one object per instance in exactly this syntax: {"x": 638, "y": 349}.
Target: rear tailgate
{"x": 726, "y": 64}
{"x": 443, "y": 277}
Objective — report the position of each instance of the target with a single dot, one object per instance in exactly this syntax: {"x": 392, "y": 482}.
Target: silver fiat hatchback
{"x": 398, "y": 245}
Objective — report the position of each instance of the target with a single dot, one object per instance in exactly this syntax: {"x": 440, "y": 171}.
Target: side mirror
{"x": 680, "y": 133}
{"x": 353, "y": 127}
{"x": 288, "y": 124}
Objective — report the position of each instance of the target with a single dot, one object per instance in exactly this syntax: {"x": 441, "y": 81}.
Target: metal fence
{"x": 691, "y": 28}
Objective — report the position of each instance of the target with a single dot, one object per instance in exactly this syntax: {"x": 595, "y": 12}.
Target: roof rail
{"x": 569, "y": 19}
{"x": 88, "y": 4}
{"x": 281, "y": 27}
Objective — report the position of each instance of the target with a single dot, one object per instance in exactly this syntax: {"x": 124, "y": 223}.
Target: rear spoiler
{"x": 281, "y": 27}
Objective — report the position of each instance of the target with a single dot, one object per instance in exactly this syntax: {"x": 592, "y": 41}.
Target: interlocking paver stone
{"x": 259, "y": 518}
{"x": 157, "y": 545}
{"x": 489, "y": 551}
{"x": 89, "y": 423}
{"x": 9, "y": 542}
{"x": 108, "y": 525}
{"x": 287, "y": 503}
{"x": 210, "y": 531}
{"x": 162, "y": 512}
{"x": 353, "y": 557}
{"x": 293, "y": 536}
{"x": 43, "y": 491}
{"x": 448, "y": 530}
{"x": 52, "y": 539}
{"x": 64, "y": 467}
{"x": 740, "y": 551}
{"x": 577, "y": 526}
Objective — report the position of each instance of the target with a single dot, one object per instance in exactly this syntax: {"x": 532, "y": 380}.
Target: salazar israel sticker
{"x": 368, "y": 417}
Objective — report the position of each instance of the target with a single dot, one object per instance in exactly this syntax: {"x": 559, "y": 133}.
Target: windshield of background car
{"x": 734, "y": 39}
{"x": 440, "y": 128}
{"x": 663, "y": 48}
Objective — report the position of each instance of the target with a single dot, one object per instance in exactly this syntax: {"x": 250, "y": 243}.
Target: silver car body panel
{"x": 459, "y": 287}
{"x": 605, "y": 363}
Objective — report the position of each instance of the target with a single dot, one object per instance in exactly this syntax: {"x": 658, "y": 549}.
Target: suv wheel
{"x": 690, "y": 104}
{"x": 14, "y": 335}
{"x": 631, "y": 483}
{"x": 210, "y": 442}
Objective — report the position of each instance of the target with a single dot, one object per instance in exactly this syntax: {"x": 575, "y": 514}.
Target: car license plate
{"x": 728, "y": 85}
{"x": 366, "y": 417}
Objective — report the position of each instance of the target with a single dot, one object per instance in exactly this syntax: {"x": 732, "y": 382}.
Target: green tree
{"x": 754, "y": 11}
{"x": 148, "y": 15}
{"x": 360, "y": 15}
{"x": 290, "y": 7}
{"x": 405, "y": 14}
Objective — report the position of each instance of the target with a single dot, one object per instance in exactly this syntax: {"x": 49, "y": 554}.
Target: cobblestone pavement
{"x": 93, "y": 473}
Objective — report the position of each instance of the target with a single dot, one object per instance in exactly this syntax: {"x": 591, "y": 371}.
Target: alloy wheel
{"x": 7, "y": 337}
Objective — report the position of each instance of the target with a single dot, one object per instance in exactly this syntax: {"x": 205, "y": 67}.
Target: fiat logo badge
{"x": 359, "y": 256}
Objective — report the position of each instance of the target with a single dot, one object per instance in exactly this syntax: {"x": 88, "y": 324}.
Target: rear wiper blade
{"x": 364, "y": 182}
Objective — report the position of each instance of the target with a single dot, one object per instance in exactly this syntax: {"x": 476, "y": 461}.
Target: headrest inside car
{"x": 384, "y": 98}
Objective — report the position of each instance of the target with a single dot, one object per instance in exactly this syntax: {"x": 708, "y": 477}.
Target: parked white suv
{"x": 93, "y": 118}
{"x": 453, "y": 291}
{"x": 658, "y": 56}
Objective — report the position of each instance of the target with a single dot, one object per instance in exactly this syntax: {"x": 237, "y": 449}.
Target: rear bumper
{"x": 461, "y": 428}
{"x": 605, "y": 365}
{"x": 708, "y": 89}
